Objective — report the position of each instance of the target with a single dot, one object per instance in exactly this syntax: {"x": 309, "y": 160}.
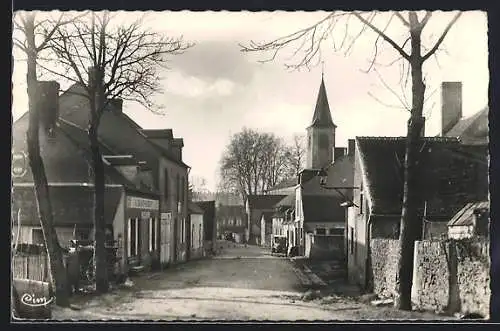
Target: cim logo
{"x": 34, "y": 301}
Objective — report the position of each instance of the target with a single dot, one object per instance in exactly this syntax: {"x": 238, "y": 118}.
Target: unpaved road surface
{"x": 242, "y": 283}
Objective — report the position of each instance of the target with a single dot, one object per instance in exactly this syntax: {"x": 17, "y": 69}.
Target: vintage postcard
{"x": 250, "y": 166}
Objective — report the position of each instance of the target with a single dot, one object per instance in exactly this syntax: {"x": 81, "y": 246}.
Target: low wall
{"x": 384, "y": 266}
{"x": 324, "y": 247}
{"x": 452, "y": 276}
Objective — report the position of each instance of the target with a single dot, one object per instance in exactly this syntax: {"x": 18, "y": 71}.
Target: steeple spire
{"x": 322, "y": 116}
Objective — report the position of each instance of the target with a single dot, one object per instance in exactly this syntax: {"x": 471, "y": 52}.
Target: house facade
{"x": 255, "y": 206}
{"x": 231, "y": 219}
{"x": 196, "y": 249}
{"x": 209, "y": 225}
{"x": 159, "y": 150}
{"x": 451, "y": 175}
{"x": 66, "y": 154}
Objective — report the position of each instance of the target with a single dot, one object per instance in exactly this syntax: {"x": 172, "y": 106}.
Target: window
{"x": 320, "y": 231}
{"x": 351, "y": 238}
{"x": 133, "y": 237}
{"x": 37, "y": 236}
{"x": 361, "y": 202}
{"x": 337, "y": 232}
{"x": 153, "y": 228}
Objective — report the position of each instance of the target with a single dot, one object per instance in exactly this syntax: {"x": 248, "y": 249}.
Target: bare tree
{"x": 253, "y": 162}
{"x": 410, "y": 52}
{"x": 29, "y": 28}
{"x": 110, "y": 60}
{"x": 297, "y": 153}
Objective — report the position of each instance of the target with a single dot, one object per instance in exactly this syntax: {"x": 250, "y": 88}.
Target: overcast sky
{"x": 214, "y": 90}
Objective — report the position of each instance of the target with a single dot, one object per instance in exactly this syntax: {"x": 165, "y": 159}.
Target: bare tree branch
{"x": 441, "y": 38}
{"x": 402, "y": 19}
{"x": 383, "y": 35}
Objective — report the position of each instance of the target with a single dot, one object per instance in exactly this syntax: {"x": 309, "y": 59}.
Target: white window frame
{"x": 152, "y": 243}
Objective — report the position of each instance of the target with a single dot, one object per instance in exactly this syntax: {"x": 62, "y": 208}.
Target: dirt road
{"x": 242, "y": 283}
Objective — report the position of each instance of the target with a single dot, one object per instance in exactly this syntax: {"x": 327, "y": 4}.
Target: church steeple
{"x": 322, "y": 117}
{"x": 321, "y": 133}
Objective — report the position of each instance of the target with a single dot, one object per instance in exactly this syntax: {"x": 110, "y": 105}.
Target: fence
{"x": 31, "y": 266}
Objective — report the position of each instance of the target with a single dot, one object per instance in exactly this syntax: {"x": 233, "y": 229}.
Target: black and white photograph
{"x": 265, "y": 166}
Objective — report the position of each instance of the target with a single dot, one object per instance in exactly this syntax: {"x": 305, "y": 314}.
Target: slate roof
{"x": 158, "y": 133}
{"x": 263, "y": 202}
{"x": 80, "y": 139}
{"x": 288, "y": 201}
{"x": 322, "y": 117}
{"x": 451, "y": 175}
{"x": 194, "y": 208}
{"x": 289, "y": 182}
{"x": 70, "y": 204}
{"x": 224, "y": 211}
{"x": 117, "y": 130}
{"x": 321, "y": 208}
{"x": 465, "y": 215}
{"x": 472, "y": 129}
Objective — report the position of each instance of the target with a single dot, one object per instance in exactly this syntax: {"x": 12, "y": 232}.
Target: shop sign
{"x": 145, "y": 214}
{"x": 166, "y": 216}
{"x": 141, "y": 203}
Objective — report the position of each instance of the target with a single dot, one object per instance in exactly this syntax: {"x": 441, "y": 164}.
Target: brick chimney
{"x": 351, "y": 146}
{"x": 451, "y": 105}
{"x": 48, "y": 100}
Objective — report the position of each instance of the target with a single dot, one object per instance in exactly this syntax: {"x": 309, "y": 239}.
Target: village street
{"x": 241, "y": 283}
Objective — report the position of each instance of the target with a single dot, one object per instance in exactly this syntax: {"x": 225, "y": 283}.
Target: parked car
{"x": 31, "y": 299}
{"x": 279, "y": 245}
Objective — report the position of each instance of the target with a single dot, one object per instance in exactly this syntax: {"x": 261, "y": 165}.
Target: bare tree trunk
{"x": 410, "y": 228}
{"x": 57, "y": 269}
{"x": 100, "y": 263}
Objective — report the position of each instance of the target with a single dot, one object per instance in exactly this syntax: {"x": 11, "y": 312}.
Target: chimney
{"x": 48, "y": 99}
{"x": 451, "y": 105}
{"x": 351, "y": 146}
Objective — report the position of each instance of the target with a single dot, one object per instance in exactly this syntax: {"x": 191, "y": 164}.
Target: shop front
{"x": 142, "y": 217}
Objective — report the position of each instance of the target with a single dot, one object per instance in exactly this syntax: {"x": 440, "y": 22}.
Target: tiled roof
{"x": 321, "y": 208}
{"x": 472, "y": 129}
{"x": 452, "y": 174}
{"x": 263, "y": 201}
{"x": 465, "y": 215}
{"x": 322, "y": 116}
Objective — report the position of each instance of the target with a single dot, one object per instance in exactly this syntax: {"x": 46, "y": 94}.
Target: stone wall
{"x": 430, "y": 290}
{"x": 452, "y": 276}
{"x": 384, "y": 259}
{"x": 473, "y": 277}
